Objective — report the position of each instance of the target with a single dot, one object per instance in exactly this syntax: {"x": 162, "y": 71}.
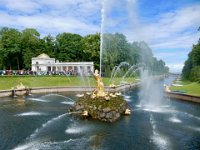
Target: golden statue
{"x": 99, "y": 85}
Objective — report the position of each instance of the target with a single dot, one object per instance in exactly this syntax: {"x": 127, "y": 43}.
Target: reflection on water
{"x": 42, "y": 122}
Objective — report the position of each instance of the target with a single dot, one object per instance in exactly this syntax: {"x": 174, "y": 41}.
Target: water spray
{"x": 102, "y": 33}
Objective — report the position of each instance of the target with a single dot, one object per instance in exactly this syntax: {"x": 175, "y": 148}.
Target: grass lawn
{"x": 7, "y": 82}
{"x": 192, "y": 88}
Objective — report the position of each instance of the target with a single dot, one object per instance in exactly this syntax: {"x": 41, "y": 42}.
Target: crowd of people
{"x": 29, "y": 72}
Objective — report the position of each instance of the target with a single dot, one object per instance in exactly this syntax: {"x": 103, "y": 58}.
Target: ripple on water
{"x": 27, "y": 146}
{"x": 67, "y": 103}
{"x": 74, "y": 129}
{"x": 194, "y": 128}
{"x": 174, "y": 119}
{"x": 190, "y": 115}
{"x": 159, "y": 140}
{"x": 158, "y": 109}
{"x": 127, "y": 98}
{"x": 38, "y": 100}
{"x": 46, "y": 124}
{"x": 31, "y": 113}
{"x": 71, "y": 144}
{"x": 139, "y": 106}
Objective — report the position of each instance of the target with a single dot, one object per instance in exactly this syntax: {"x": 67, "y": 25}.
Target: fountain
{"x": 20, "y": 90}
{"x": 132, "y": 70}
{"x": 172, "y": 126}
{"x": 99, "y": 85}
{"x": 101, "y": 105}
{"x": 115, "y": 71}
{"x": 102, "y": 33}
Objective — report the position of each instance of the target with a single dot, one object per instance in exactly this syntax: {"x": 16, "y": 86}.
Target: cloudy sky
{"x": 168, "y": 26}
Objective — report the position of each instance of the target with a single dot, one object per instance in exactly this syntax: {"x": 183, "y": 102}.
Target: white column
{"x": 79, "y": 69}
{"x": 92, "y": 68}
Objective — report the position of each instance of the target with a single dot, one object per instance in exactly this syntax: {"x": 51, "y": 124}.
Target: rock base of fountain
{"x": 100, "y": 104}
{"x": 20, "y": 90}
{"x": 100, "y": 108}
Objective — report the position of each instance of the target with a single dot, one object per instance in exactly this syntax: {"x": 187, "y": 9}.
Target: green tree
{"x": 195, "y": 55}
{"x": 191, "y": 63}
{"x": 195, "y": 74}
{"x": 10, "y": 48}
{"x": 116, "y": 49}
{"x": 135, "y": 56}
{"x": 158, "y": 66}
{"x": 69, "y": 47}
{"x": 91, "y": 48}
{"x": 17, "y": 49}
{"x": 30, "y": 45}
{"x": 49, "y": 44}
{"x": 191, "y": 66}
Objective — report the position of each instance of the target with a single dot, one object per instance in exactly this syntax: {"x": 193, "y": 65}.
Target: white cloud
{"x": 52, "y": 16}
{"x": 186, "y": 40}
{"x": 175, "y": 67}
{"x": 50, "y": 24}
{"x": 170, "y": 30}
{"x": 174, "y": 29}
{"x": 24, "y": 6}
{"x": 171, "y": 54}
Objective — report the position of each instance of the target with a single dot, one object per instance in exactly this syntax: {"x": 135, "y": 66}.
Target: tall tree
{"x": 135, "y": 56}
{"x": 91, "y": 48}
{"x": 115, "y": 50}
{"x": 192, "y": 64}
{"x": 30, "y": 44}
{"x": 10, "y": 48}
{"x": 22, "y": 46}
{"x": 49, "y": 44}
{"x": 69, "y": 47}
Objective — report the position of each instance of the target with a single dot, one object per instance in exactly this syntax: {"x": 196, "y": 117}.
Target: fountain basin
{"x": 100, "y": 108}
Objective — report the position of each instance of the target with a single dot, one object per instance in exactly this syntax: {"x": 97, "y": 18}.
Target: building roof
{"x": 43, "y": 56}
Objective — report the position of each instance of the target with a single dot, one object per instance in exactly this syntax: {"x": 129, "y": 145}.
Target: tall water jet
{"x": 102, "y": 33}
{"x": 151, "y": 92}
